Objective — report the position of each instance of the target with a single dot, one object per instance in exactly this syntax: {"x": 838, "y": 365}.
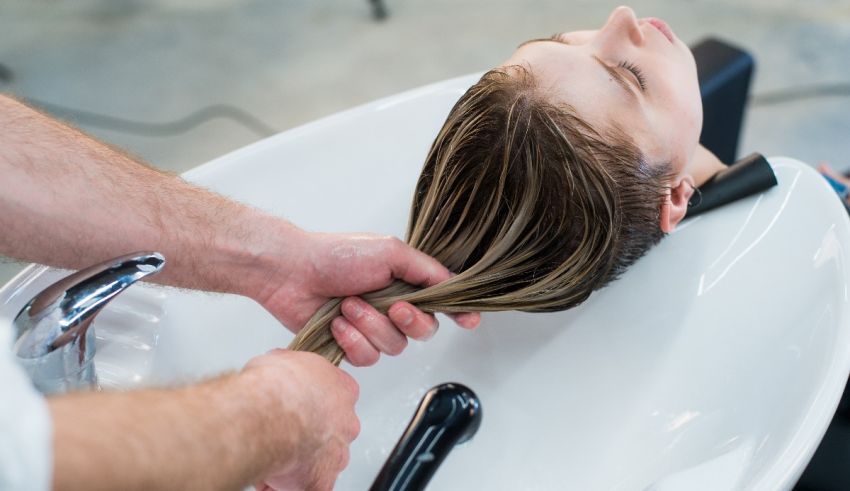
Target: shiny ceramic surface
{"x": 715, "y": 363}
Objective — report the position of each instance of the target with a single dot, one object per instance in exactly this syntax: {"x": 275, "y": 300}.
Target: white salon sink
{"x": 715, "y": 363}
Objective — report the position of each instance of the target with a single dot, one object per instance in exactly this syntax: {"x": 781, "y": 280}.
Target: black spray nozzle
{"x": 448, "y": 414}
{"x": 746, "y": 177}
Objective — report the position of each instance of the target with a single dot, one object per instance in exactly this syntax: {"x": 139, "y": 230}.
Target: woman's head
{"x": 631, "y": 73}
{"x": 531, "y": 204}
{"x": 552, "y": 174}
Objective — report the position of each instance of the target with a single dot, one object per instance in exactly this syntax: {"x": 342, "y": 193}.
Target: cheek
{"x": 685, "y": 131}
{"x": 686, "y": 88}
{"x": 683, "y": 105}
{"x": 675, "y": 134}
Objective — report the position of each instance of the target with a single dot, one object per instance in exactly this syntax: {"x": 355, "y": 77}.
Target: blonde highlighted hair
{"x": 532, "y": 208}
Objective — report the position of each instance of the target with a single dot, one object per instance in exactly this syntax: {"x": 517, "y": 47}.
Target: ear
{"x": 675, "y": 203}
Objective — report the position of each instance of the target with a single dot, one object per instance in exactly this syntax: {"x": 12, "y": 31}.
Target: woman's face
{"x": 632, "y": 73}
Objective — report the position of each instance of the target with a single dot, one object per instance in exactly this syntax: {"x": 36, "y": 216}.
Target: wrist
{"x": 260, "y": 257}
{"x": 275, "y": 430}
{"x": 252, "y": 426}
{"x": 279, "y": 264}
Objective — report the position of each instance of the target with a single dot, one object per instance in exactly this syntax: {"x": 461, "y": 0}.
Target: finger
{"x": 412, "y": 321}
{"x": 467, "y": 320}
{"x": 416, "y": 267}
{"x": 358, "y": 350}
{"x": 376, "y": 327}
{"x": 351, "y": 385}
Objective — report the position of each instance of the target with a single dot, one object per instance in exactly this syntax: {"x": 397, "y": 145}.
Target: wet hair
{"x": 532, "y": 207}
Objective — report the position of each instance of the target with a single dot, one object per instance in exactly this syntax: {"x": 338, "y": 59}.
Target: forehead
{"x": 571, "y": 75}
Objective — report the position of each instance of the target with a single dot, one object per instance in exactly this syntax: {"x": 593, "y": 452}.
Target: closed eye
{"x": 635, "y": 70}
{"x": 559, "y": 38}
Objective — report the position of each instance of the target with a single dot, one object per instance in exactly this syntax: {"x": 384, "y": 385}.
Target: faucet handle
{"x": 53, "y": 340}
{"x": 448, "y": 414}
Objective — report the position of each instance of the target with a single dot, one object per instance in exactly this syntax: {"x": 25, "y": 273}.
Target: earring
{"x": 698, "y": 193}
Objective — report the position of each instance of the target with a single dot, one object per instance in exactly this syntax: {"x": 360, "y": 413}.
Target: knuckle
{"x": 341, "y": 335}
{"x": 361, "y": 314}
{"x": 307, "y": 357}
{"x": 351, "y": 310}
{"x": 370, "y": 317}
{"x": 351, "y": 384}
{"x": 423, "y": 327}
{"x": 355, "y": 429}
{"x": 394, "y": 245}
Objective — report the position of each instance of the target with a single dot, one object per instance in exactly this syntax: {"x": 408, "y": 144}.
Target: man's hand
{"x": 324, "y": 266}
{"x": 286, "y": 420}
{"x": 318, "y": 399}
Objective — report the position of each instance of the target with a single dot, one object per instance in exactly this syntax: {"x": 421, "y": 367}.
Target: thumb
{"x": 415, "y": 267}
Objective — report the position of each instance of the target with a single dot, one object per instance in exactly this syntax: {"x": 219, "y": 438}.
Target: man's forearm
{"x": 69, "y": 201}
{"x": 218, "y": 435}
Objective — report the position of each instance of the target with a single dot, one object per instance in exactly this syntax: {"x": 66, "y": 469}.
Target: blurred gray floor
{"x": 287, "y": 62}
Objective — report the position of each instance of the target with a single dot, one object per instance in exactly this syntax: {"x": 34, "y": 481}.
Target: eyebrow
{"x": 555, "y": 38}
{"x": 614, "y": 73}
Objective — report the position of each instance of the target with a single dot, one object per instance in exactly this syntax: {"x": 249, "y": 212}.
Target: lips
{"x": 661, "y": 26}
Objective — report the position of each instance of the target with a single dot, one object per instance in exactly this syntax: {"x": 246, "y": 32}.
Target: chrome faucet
{"x": 55, "y": 344}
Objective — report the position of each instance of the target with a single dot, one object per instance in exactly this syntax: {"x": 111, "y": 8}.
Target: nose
{"x": 622, "y": 25}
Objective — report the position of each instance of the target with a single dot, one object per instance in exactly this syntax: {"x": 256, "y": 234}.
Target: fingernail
{"x": 338, "y": 327}
{"x": 353, "y": 309}
{"x": 404, "y": 316}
